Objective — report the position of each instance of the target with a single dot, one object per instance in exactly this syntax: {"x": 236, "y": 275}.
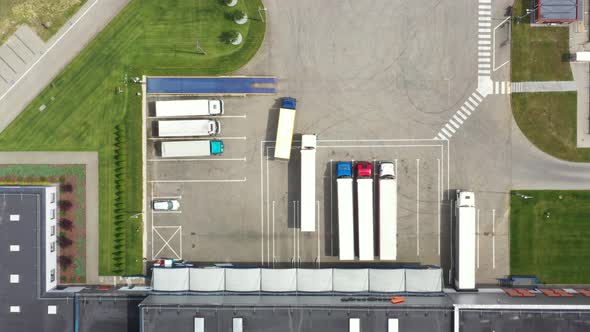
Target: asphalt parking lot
{"x": 402, "y": 89}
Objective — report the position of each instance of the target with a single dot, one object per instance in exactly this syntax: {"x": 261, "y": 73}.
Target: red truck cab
{"x": 364, "y": 169}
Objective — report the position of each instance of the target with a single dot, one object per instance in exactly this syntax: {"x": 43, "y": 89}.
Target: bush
{"x": 66, "y": 188}
{"x": 65, "y": 205}
{"x": 65, "y": 262}
{"x": 64, "y": 241}
{"x": 66, "y": 224}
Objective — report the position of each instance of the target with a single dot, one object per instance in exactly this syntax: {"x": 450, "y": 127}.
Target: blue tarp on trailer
{"x": 211, "y": 85}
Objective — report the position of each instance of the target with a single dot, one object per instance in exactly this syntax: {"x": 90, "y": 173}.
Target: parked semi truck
{"x": 387, "y": 211}
{"x": 345, "y": 210}
{"x": 364, "y": 197}
{"x": 308, "y": 204}
{"x": 180, "y": 128}
{"x": 189, "y": 107}
{"x": 465, "y": 241}
{"x": 284, "y": 136}
{"x": 178, "y": 149}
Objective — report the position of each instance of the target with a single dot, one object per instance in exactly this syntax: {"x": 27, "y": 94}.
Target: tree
{"x": 65, "y": 262}
{"x": 66, "y": 187}
{"x": 237, "y": 15}
{"x": 229, "y": 36}
{"x": 65, "y": 224}
{"x": 64, "y": 241}
{"x": 228, "y": 2}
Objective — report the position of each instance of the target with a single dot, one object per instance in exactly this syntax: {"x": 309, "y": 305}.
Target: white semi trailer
{"x": 189, "y": 107}
{"x": 345, "y": 211}
{"x": 308, "y": 204}
{"x": 180, "y": 149}
{"x": 187, "y": 128}
{"x": 465, "y": 241}
{"x": 387, "y": 211}
{"x": 364, "y": 197}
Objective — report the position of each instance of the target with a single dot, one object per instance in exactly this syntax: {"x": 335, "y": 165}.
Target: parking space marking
{"x": 273, "y": 233}
{"x": 261, "y": 207}
{"x": 417, "y": 207}
{"x": 493, "y": 238}
{"x": 164, "y": 197}
{"x": 293, "y": 259}
{"x": 167, "y": 242}
{"x": 165, "y": 212}
{"x": 197, "y": 159}
{"x": 439, "y": 198}
{"x": 198, "y": 181}
{"x": 188, "y": 138}
{"x": 332, "y": 207}
{"x": 477, "y": 238}
{"x": 243, "y": 116}
{"x": 319, "y": 259}
{"x": 267, "y": 208}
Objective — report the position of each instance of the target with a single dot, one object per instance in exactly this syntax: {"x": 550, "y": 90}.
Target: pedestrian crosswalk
{"x": 484, "y": 38}
{"x": 503, "y": 88}
{"x": 461, "y": 115}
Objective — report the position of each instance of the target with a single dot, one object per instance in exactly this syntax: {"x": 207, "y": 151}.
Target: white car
{"x": 166, "y": 205}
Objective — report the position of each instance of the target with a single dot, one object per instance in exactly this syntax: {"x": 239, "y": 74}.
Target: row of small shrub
{"x": 120, "y": 199}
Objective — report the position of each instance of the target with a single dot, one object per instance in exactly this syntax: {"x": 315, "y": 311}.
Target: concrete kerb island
{"x": 90, "y": 160}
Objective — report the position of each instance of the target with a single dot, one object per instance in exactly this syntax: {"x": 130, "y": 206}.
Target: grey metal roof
{"x": 558, "y": 10}
{"x": 33, "y": 316}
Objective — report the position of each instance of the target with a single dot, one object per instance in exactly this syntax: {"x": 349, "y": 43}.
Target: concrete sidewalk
{"x": 58, "y": 52}
{"x": 549, "y": 86}
{"x": 90, "y": 159}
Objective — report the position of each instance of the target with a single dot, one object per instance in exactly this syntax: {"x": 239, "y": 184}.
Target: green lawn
{"x": 555, "y": 248}
{"x": 150, "y": 37}
{"x": 44, "y": 16}
{"x": 538, "y": 53}
{"x": 548, "y": 120}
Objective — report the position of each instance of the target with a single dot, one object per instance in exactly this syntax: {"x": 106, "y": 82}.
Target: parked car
{"x": 166, "y": 205}
{"x": 364, "y": 169}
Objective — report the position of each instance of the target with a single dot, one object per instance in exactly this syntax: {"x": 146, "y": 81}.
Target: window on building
{"x": 52, "y": 230}
{"x": 52, "y": 198}
{"x": 52, "y": 247}
{"x": 52, "y": 213}
{"x": 52, "y": 275}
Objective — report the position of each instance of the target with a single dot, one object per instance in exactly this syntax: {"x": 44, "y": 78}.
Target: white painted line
{"x": 484, "y": 48}
{"x": 198, "y": 159}
{"x": 184, "y": 138}
{"x": 438, "y": 199}
{"x": 484, "y": 36}
{"x": 166, "y": 212}
{"x": 417, "y": 207}
{"x": 484, "y": 42}
{"x": 449, "y": 135}
{"x": 261, "y": 206}
{"x": 484, "y": 71}
{"x": 485, "y": 24}
{"x": 48, "y": 50}
{"x": 166, "y": 243}
{"x": 494, "y": 40}
{"x": 152, "y": 224}
{"x": 496, "y": 87}
{"x": 273, "y": 233}
{"x": 484, "y": 30}
{"x": 461, "y": 114}
{"x": 243, "y": 116}
{"x": 319, "y": 259}
{"x": 483, "y": 18}
{"x": 466, "y": 103}
{"x": 180, "y": 242}
{"x": 493, "y": 238}
{"x": 165, "y": 197}
{"x": 267, "y": 208}
{"x": 476, "y": 96}
{"x": 441, "y": 136}
{"x": 503, "y": 87}
{"x": 450, "y": 127}
{"x": 378, "y": 146}
{"x": 484, "y": 65}
{"x": 471, "y": 100}
{"x": 197, "y": 181}
{"x": 485, "y": 12}
{"x": 502, "y": 65}
{"x": 477, "y": 238}
{"x": 454, "y": 123}
{"x": 483, "y": 59}
{"x": 484, "y": 54}
{"x": 485, "y": 7}
{"x": 457, "y": 119}
{"x": 464, "y": 109}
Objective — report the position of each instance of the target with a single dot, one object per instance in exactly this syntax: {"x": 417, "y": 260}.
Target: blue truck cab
{"x": 290, "y": 103}
{"x": 344, "y": 169}
{"x": 216, "y": 147}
